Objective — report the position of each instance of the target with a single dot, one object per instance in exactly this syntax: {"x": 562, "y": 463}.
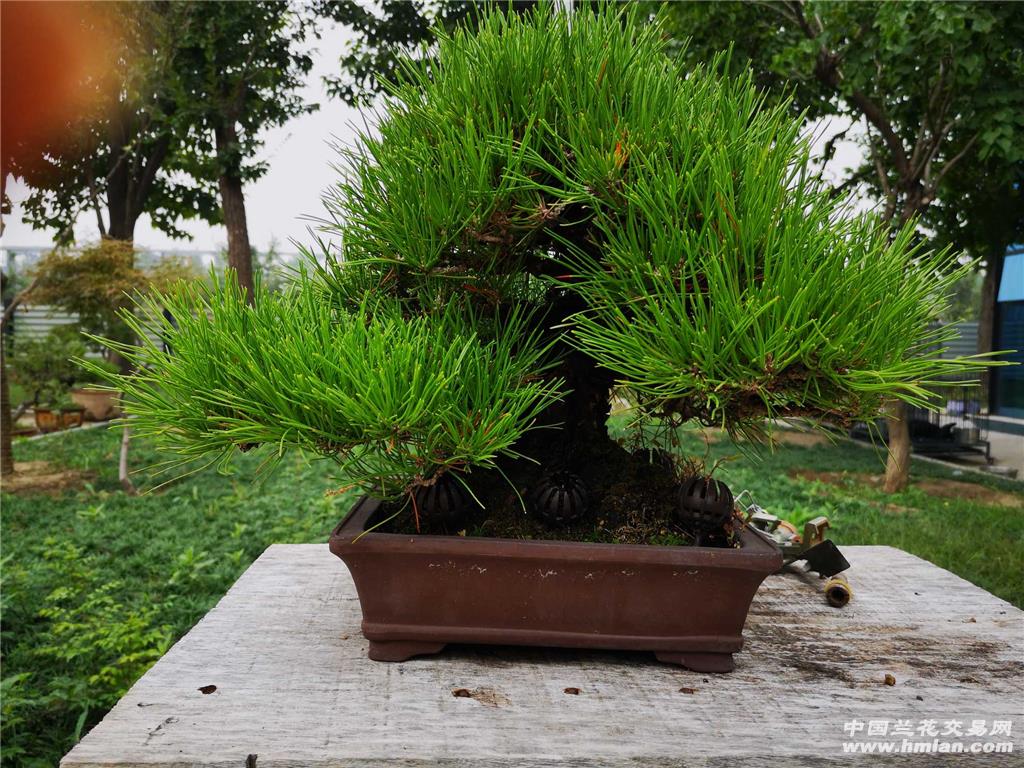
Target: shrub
{"x": 100, "y": 281}
{"x": 44, "y": 367}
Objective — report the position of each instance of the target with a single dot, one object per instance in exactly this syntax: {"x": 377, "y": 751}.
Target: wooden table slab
{"x": 294, "y": 686}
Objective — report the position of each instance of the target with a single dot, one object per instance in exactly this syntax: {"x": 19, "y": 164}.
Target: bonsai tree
{"x": 549, "y": 210}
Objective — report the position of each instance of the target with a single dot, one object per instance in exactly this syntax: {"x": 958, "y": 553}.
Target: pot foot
{"x": 400, "y": 650}
{"x": 699, "y": 662}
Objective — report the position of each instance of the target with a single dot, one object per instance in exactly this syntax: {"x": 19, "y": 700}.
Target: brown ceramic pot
{"x": 419, "y": 593}
{"x": 47, "y": 419}
{"x": 99, "y": 404}
{"x": 71, "y": 417}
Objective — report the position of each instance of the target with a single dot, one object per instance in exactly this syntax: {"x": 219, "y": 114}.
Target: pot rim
{"x": 757, "y": 551}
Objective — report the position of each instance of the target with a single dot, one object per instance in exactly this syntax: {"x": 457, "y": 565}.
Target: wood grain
{"x": 294, "y": 686}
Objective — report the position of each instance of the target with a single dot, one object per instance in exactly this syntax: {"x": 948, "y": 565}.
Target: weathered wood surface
{"x": 294, "y": 686}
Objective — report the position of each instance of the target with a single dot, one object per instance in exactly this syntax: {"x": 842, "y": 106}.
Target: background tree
{"x": 385, "y": 33}
{"x": 981, "y": 212}
{"x": 933, "y": 87}
{"x": 239, "y": 68}
{"x": 167, "y": 108}
{"x": 174, "y": 124}
{"x": 115, "y": 156}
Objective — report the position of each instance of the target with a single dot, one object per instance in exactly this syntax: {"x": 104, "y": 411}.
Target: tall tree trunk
{"x": 239, "y": 250}
{"x": 6, "y": 419}
{"x": 6, "y": 422}
{"x": 131, "y": 174}
{"x": 232, "y": 202}
{"x": 897, "y": 466}
{"x": 120, "y": 216}
{"x": 122, "y": 228}
{"x": 987, "y": 314}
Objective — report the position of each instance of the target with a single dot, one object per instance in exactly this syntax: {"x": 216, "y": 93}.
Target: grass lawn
{"x": 97, "y": 584}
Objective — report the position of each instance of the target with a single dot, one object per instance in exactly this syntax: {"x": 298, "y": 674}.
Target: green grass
{"x": 97, "y": 585}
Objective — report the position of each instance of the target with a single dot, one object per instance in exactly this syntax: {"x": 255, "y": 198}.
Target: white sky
{"x": 299, "y": 159}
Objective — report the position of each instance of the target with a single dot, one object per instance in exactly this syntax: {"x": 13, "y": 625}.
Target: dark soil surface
{"x": 630, "y": 500}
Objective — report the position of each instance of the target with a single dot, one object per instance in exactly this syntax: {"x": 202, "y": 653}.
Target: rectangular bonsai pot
{"x": 419, "y": 593}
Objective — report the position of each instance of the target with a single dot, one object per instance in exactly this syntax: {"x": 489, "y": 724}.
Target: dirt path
{"x": 41, "y": 477}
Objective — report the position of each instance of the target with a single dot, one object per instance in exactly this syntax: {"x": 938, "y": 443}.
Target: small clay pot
{"x": 99, "y": 404}
{"x": 704, "y": 505}
{"x": 71, "y": 417}
{"x": 47, "y": 419}
{"x": 559, "y": 498}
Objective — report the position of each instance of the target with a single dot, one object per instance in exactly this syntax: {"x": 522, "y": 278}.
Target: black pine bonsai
{"x": 551, "y": 209}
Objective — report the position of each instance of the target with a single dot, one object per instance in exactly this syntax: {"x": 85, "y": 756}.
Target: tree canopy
{"x": 116, "y": 157}
{"x": 935, "y": 86}
{"x": 241, "y": 68}
{"x": 146, "y": 143}
{"x": 386, "y": 33}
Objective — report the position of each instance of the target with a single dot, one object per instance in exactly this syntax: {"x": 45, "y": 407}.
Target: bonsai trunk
{"x": 583, "y": 412}
{"x": 897, "y": 466}
{"x": 233, "y": 205}
{"x": 587, "y": 405}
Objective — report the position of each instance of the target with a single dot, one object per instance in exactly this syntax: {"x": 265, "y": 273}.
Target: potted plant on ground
{"x": 551, "y": 209}
{"x": 98, "y": 403}
{"x": 43, "y": 367}
{"x": 71, "y": 413}
{"x": 97, "y": 283}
